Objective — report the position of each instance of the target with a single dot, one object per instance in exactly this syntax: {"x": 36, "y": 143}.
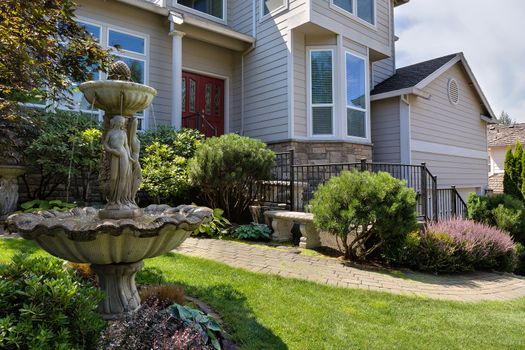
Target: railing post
{"x": 453, "y": 207}
{"x": 424, "y": 190}
{"x": 435, "y": 199}
{"x": 292, "y": 182}
{"x": 363, "y": 164}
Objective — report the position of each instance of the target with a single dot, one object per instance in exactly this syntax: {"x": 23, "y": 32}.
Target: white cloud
{"x": 490, "y": 33}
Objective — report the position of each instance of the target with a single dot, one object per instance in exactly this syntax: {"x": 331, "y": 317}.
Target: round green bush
{"x": 44, "y": 306}
{"x": 225, "y": 170}
{"x": 365, "y": 211}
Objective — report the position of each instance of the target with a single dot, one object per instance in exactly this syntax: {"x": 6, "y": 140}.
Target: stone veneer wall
{"x": 323, "y": 152}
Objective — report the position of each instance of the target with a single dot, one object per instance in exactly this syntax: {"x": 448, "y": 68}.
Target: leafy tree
{"x": 43, "y": 46}
{"x": 505, "y": 119}
{"x": 509, "y": 185}
{"x": 42, "y": 51}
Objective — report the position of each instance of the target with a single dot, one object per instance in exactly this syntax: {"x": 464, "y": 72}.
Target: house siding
{"x": 378, "y": 38}
{"x": 156, "y": 28}
{"x": 440, "y": 123}
{"x": 240, "y": 16}
{"x": 266, "y": 89}
{"x": 300, "y": 96}
{"x": 382, "y": 70}
{"x": 386, "y": 130}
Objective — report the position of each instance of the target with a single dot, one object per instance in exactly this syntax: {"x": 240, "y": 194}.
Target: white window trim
{"x": 104, "y": 42}
{"x": 310, "y": 106}
{"x": 263, "y": 17}
{"x": 353, "y": 14}
{"x": 222, "y": 20}
{"x": 367, "y": 99}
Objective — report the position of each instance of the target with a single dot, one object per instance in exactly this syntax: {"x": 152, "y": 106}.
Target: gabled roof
{"x": 412, "y": 75}
{"x": 414, "y": 78}
{"x": 505, "y": 135}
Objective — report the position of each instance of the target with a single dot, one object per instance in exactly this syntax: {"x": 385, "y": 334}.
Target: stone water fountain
{"x": 116, "y": 239}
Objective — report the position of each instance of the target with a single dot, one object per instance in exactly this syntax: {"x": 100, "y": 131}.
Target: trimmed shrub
{"x": 520, "y": 252}
{"x": 225, "y": 169}
{"x": 502, "y": 210}
{"x": 183, "y": 142}
{"x": 44, "y": 306}
{"x": 362, "y": 207}
{"x": 459, "y": 245}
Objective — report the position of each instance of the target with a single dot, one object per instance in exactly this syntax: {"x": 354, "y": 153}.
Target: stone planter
{"x": 9, "y": 188}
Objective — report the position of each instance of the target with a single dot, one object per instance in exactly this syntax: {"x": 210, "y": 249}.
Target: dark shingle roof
{"x": 505, "y": 135}
{"x": 410, "y": 76}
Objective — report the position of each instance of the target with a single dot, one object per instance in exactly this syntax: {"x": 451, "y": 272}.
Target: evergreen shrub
{"x": 225, "y": 170}
{"x": 44, "y": 306}
{"x": 365, "y": 211}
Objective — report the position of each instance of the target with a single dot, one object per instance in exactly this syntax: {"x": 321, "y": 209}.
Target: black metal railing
{"x": 293, "y": 185}
{"x": 199, "y": 122}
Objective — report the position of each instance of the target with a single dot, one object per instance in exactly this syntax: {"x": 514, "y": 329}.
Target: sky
{"x": 490, "y": 33}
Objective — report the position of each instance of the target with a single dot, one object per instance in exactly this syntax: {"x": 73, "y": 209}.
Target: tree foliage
{"x": 505, "y": 119}
{"x": 513, "y": 172}
{"x": 43, "y": 50}
{"x": 363, "y": 207}
{"x": 67, "y": 151}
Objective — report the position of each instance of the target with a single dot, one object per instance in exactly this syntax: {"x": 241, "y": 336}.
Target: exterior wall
{"x": 377, "y": 38}
{"x": 450, "y": 138}
{"x": 156, "y": 28}
{"x": 382, "y": 70}
{"x": 240, "y": 16}
{"x": 323, "y": 152}
{"x": 300, "y": 96}
{"x": 266, "y": 72}
{"x": 386, "y": 131}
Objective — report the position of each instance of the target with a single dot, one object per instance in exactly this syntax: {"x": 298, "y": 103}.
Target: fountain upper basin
{"x": 81, "y": 236}
{"x": 118, "y": 97}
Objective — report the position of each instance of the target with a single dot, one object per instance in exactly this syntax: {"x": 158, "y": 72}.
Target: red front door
{"x": 203, "y": 103}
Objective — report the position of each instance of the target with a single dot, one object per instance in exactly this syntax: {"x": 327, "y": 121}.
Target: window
{"x": 364, "y": 9}
{"x": 130, "y": 48}
{"x": 356, "y": 101}
{"x": 214, "y": 8}
{"x": 269, "y": 6}
{"x": 321, "y": 91}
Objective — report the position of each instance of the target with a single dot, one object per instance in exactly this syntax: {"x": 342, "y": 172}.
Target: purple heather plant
{"x": 475, "y": 244}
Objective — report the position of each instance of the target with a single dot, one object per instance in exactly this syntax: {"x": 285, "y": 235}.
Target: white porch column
{"x": 176, "y": 113}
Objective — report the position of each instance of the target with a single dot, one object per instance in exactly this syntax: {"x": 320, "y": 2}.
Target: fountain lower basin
{"x": 115, "y": 248}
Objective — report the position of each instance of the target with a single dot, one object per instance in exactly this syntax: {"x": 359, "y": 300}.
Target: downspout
{"x": 245, "y": 53}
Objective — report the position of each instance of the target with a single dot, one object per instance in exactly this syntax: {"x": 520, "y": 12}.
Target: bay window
{"x": 270, "y": 6}
{"x": 321, "y": 91}
{"x": 356, "y": 101}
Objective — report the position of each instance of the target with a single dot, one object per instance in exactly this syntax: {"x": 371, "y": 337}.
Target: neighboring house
{"x": 500, "y": 138}
{"x": 298, "y": 74}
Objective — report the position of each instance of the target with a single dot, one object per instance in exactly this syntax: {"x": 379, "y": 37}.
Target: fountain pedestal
{"x": 118, "y": 282}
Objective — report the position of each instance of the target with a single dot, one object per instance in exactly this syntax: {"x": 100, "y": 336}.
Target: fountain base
{"x": 118, "y": 282}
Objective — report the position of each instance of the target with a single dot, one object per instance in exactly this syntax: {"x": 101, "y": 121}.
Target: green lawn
{"x": 269, "y": 312}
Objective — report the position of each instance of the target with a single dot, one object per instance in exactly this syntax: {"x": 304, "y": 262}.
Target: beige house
{"x": 315, "y": 75}
{"x": 500, "y": 138}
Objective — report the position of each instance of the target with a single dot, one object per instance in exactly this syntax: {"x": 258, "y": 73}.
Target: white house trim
{"x": 436, "y": 148}
{"x": 263, "y": 17}
{"x": 404, "y": 131}
{"x": 176, "y": 64}
{"x": 223, "y": 20}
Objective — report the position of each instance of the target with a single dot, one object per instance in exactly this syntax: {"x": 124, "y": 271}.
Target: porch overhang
{"x": 211, "y": 33}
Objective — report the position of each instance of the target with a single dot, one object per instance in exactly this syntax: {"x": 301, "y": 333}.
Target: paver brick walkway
{"x": 287, "y": 263}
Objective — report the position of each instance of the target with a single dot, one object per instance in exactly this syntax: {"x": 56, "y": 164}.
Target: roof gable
{"x": 412, "y": 79}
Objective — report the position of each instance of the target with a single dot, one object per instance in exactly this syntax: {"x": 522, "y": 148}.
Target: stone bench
{"x": 283, "y": 221}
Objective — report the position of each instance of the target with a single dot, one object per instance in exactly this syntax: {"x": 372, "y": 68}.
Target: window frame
{"x": 104, "y": 43}
{"x": 354, "y": 15}
{"x": 367, "y": 98}
{"x": 222, "y": 20}
{"x": 310, "y": 105}
{"x": 263, "y": 16}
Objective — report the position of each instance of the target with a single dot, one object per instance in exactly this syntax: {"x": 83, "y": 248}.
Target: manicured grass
{"x": 269, "y": 312}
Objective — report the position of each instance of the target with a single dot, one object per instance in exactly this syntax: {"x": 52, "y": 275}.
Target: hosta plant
{"x": 252, "y": 232}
